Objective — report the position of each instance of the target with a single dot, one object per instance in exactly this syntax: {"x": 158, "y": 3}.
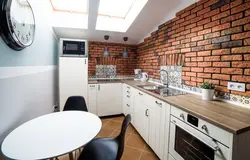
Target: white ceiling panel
{"x": 152, "y": 15}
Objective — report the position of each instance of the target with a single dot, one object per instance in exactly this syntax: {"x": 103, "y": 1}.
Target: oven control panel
{"x": 192, "y": 120}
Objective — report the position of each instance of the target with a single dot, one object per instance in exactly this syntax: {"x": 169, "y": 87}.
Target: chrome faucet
{"x": 165, "y": 84}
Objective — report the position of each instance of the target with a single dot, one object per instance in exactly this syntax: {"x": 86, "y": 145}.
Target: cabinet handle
{"x": 128, "y": 96}
{"x": 99, "y": 87}
{"x": 85, "y": 61}
{"x": 146, "y": 113}
{"x": 182, "y": 116}
{"x": 128, "y": 105}
{"x": 160, "y": 104}
{"x": 92, "y": 85}
{"x": 140, "y": 94}
{"x": 128, "y": 92}
{"x": 128, "y": 87}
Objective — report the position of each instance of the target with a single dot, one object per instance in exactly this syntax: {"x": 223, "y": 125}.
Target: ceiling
{"x": 152, "y": 15}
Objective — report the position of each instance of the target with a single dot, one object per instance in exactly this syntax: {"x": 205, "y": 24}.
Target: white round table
{"x": 51, "y": 135}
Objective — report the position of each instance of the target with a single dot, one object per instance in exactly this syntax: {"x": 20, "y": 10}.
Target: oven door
{"x": 74, "y": 48}
{"x": 188, "y": 143}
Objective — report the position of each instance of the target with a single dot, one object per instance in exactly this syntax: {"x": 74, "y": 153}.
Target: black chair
{"x": 106, "y": 148}
{"x": 75, "y": 103}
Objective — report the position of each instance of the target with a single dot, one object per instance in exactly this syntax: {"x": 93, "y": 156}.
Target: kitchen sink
{"x": 162, "y": 90}
{"x": 150, "y": 87}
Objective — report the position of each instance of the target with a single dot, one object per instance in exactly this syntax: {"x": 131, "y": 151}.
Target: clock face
{"x": 22, "y": 22}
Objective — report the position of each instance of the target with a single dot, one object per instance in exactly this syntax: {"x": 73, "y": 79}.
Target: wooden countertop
{"x": 230, "y": 117}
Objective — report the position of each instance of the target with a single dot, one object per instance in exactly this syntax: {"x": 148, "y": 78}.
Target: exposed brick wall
{"x": 214, "y": 37}
{"x": 124, "y": 66}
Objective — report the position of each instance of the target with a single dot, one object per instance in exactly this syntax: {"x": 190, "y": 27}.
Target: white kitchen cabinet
{"x": 151, "y": 120}
{"x": 141, "y": 118}
{"x": 109, "y": 99}
{"x": 92, "y": 98}
{"x": 73, "y": 78}
{"x": 128, "y": 95}
{"x": 159, "y": 127}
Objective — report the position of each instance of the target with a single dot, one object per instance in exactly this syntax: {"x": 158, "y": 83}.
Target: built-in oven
{"x": 187, "y": 142}
{"x": 73, "y": 48}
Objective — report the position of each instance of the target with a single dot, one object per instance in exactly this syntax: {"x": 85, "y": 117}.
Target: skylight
{"x": 80, "y": 6}
{"x": 118, "y": 15}
{"x": 115, "y": 8}
{"x": 70, "y": 13}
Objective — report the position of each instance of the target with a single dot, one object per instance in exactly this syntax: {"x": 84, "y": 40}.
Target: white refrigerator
{"x": 73, "y": 78}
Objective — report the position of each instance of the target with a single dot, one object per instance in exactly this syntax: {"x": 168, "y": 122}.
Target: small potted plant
{"x": 207, "y": 91}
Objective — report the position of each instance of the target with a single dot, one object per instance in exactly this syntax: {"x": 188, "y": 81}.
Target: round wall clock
{"x": 17, "y": 23}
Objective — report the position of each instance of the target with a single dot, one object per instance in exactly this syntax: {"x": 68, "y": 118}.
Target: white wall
{"x": 29, "y": 78}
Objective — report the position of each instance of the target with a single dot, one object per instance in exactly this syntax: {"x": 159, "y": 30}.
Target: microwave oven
{"x": 73, "y": 48}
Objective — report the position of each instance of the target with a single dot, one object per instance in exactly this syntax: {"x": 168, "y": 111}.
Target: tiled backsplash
{"x": 174, "y": 78}
{"x": 173, "y": 75}
{"x": 105, "y": 71}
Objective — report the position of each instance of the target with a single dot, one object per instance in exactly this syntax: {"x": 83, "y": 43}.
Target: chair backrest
{"x": 121, "y": 136}
{"x": 75, "y": 103}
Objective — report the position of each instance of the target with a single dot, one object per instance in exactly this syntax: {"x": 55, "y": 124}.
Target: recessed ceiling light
{"x": 118, "y": 15}
{"x": 80, "y": 6}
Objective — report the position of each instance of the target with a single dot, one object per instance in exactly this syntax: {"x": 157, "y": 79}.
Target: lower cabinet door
{"x": 92, "y": 99}
{"x": 158, "y": 128}
{"x": 109, "y": 99}
{"x": 141, "y": 119}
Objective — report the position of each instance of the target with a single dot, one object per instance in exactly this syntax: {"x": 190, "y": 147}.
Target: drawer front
{"x": 126, "y": 88}
{"x": 145, "y": 98}
{"x": 205, "y": 127}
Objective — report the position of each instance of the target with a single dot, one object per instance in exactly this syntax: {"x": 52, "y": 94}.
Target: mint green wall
{"x": 43, "y": 51}
{"x": 29, "y": 94}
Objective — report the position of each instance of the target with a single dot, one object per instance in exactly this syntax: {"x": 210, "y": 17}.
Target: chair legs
{"x": 71, "y": 156}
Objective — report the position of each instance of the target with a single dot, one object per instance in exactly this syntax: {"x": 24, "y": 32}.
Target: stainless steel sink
{"x": 161, "y": 90}
{"x": 151, "y": 87}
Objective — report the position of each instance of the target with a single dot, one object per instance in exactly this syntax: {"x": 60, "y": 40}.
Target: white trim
{"x": 11, "y": 72}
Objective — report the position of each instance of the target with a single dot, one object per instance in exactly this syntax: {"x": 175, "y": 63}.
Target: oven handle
{"x": 216, "y": 148}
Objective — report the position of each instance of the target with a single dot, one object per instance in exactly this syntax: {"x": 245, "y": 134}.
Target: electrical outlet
{"x": 236, "y": 86}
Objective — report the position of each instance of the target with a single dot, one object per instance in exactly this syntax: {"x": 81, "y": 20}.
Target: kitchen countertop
{"x": 103, "y": 82}
{"x": 228, "y": 116}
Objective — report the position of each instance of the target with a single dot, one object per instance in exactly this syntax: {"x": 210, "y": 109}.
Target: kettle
{"x": 144, "y": 77}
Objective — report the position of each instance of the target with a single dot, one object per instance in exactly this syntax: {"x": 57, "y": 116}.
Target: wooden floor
{"x": 135, "y": 147}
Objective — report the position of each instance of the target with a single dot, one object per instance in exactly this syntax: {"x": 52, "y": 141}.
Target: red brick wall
{"x": 214, "y": 37}
{"x": 124, "y": 66}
